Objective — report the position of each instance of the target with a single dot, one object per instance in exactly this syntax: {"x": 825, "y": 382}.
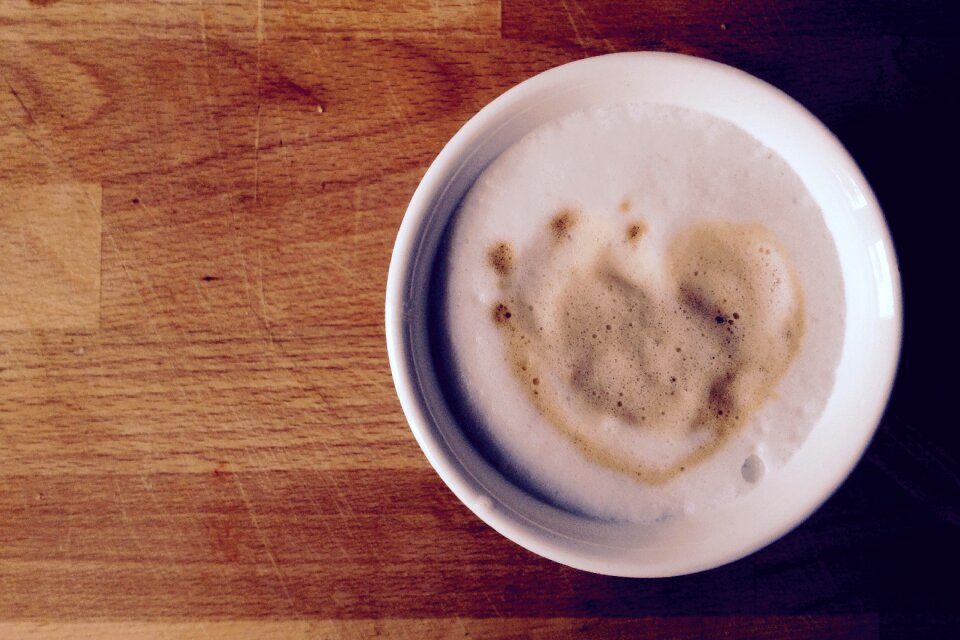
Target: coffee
{"x": 645, "y": 310}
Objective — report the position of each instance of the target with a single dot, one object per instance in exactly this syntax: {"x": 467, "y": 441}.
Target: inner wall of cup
{"x": 493, "y": 496}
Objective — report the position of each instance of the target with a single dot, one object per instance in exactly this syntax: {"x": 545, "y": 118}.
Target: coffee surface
{"x": 645, "y": 310}
{"x": 696, "y": 348}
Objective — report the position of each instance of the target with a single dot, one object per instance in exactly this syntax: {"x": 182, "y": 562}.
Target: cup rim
{"x": 464, "y": 484}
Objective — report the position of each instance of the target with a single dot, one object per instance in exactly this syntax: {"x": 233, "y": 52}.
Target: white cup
{"x": 864, "y": 375}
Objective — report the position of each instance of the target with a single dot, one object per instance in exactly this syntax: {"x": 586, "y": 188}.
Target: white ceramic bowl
{"x": 864, "y": 375}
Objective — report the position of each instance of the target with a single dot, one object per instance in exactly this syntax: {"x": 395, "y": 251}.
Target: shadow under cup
{"x": 864, "y": 374}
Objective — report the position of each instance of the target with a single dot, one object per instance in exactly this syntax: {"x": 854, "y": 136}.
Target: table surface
{"x": 198, "y": 431}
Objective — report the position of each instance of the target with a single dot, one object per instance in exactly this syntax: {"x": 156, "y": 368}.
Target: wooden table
{"x": 199, "y": 435}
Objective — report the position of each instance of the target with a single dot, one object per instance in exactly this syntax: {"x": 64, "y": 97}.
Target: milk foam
{"x": 626, "y": 186}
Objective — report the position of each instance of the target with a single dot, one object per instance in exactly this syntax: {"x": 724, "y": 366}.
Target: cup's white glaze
{"x": 864, "y": 376}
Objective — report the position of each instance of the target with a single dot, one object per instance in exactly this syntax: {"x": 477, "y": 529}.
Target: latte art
{"x": 644, "y": 310}
{"x": 685, "y": 354}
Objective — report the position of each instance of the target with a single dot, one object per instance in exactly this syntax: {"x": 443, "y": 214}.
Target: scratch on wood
{"x": 356, "y": 20}
{"x": 338, "y": 493}
{"x": 263, "y": 300}
{"x": 593, "y": 26}
{"x": 276, "y": 347}
{"x": 178, "y": 363}
{"x": 46, "y": 153}
{"x": 463, "y": 627}
{"x": 203, "y": 26}
{"x": 256, "y": 151}
{"x": 256, "y": 140}
{"x": 492, "y": 605}
{"x": 37, "y": 144}
{"x": 19, "y": 100}
{"x": 148, "y": 487}
{"x": 260, "y": 34}
{"x": 202, "y": 296}
{"x": 401, "y": 116}
{"x": 108, "y": 234}
{"x": 125, "y": 516}
{"x": 783, "y": 25}
{"x": 366, "y": 145}
{"x": 261, "y": 315}
{"x": 263, "y": 540}
{"x": 573, "y": 24}
{"x": 206, "y": 71}
{"x": 330, "y": 532}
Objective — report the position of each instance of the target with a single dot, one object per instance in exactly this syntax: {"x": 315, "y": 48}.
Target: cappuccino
{"x": 644, "y": 311}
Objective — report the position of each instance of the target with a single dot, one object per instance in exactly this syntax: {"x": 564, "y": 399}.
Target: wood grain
{"x": 51, "y": 260}
{"x": 199, "y": 435}
{"x": 689, "y": 628}
{"x": 372, "y": 19}
{"x": 131, "y": 20}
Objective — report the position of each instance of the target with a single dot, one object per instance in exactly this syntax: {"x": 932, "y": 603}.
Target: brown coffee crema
{"x": 691, "y": 357}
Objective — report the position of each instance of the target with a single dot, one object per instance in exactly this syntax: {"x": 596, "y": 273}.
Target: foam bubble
{"x": 753, "y": 469}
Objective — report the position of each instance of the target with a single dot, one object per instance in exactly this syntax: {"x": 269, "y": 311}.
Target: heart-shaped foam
{"x": 648, "y": 356}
